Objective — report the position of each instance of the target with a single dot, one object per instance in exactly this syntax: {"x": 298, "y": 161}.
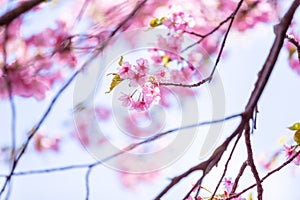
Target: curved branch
{"x": 16, "y": 12}
{"x": 264, "y": 75}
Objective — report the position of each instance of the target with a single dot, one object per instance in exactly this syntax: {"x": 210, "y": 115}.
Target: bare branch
{"x": 126, "y": 149}
{"x": 209, "y": 78}
{"x": 240, "y": 174}
{"x": 58, "y": 94}
{"x": 266, "y": 176}
{"x": 206, "y": 166}
{"x": 251, "y": 162}
{"x": 226, "y": 165}
{"x": 87, "y": 184}
{"x": 16, "y": 12}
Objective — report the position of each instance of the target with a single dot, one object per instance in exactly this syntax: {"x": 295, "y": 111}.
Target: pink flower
{"x": 228, "y": 184}
{"x": 43, "y": 143}
{"x": 126, "y": 71}
{"x": 142, "y": 66}
{"x": 27, "y": 81}
{"x": 161, "y": 74}
{"x": 295, "y": 65}
{"x": 138, "y": 79}
{"x": 290, "y": 152}
{"x": 171, "y": 46}
{"x": 156, "y": 58}
{"x": 126, "y": 100}
{"x": 140, "y": 105}
{"x": 188, "y": 72}
{"x": 103, "y": 113}
{"x": 177, "y": 20}
{"x": 151, "y": 93}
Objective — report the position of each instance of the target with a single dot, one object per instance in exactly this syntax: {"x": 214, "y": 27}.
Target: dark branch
{"x": 126, "y": 149}
{"x": 251, "y": 162}
{"x": 237, "y": 179}
{"x": 58, "y": 94}
{"x": 264, "y": 75}
{"x": 266, "y": 176}
{"x": 226, "y": 166}
{"x": 16, "y": 12}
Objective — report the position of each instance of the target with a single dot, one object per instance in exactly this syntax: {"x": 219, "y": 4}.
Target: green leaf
{"x": 121, "y": 61}
{"x": 250, "y": 196}
{"x": 115, "y": 81}
{"x": 166, "y": 61}
{"x": 295, "y": 127}
{"x": 156, "y": 22}
{"x": 297, "y": 137}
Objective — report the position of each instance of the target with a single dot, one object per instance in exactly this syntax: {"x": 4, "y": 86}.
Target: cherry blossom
{"x": 43, "y": 142}
{"x": 178, "y": 20}
{"x": 290, "y": 152}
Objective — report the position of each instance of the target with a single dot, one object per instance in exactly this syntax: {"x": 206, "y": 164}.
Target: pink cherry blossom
{"x": 151, "y": 93}
{"x": 126, "y": 100}
{"x": 290, "y": 152}
{"x": 177, "y": 20}
{"x": 125, "y": 71}
{"x": 43, "y": 143}
{"x": 228, "y": 184}
{"x": 140, "y": 105}
{"x": 138, "y": 79}
{"x": 103, "y": 113}
{"x": 142, "y": 66}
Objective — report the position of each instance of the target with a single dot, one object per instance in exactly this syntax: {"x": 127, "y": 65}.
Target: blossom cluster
{"x": 138, "y": 75}
{"x": 43, "y": 142}
{"x": 178, "y": 20}
{"x": 32, "y": 62}
{"x": 146, "y": 80}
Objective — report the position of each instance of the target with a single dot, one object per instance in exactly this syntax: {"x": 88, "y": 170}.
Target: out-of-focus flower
{"x": 43, "y": 143}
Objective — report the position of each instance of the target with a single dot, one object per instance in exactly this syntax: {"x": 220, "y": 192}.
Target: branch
{"x": 209, "y": 78}
{"x": 126, "y": 149}
{"x": 226, "y": 165}
{"x": 237, "y": 179}
{"x": 58, "y": 94}
{"x": 87, "y": 185}
{"x": 251, "y": 162}
{"x": 11, "y": 102}
{"x": 16, "y": 12}
{"x": 205, "y": 166}
{"x": 266, "y": 176}
{"x": 264, "y": 75}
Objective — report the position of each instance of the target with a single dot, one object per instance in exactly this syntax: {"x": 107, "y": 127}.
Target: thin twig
{"x": 58, "y": 94}
{"x": 251, "y": 163}
{"x": 126, "y": 149}
{"x": 237, "y": 179}
{"x": 213, "y": 30}
{"x": 11, "y": 102}
{"x": 225, "y": 37}
{"x": 264, "y": 75}
{"x": 81, "y": 12}
{"x": 209, "y": 78}
{"x": 226, "y": 166}
{"x": 266, "y": 176}
{"x": 87, "y": 184}
{"x": 204, "y": 166}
